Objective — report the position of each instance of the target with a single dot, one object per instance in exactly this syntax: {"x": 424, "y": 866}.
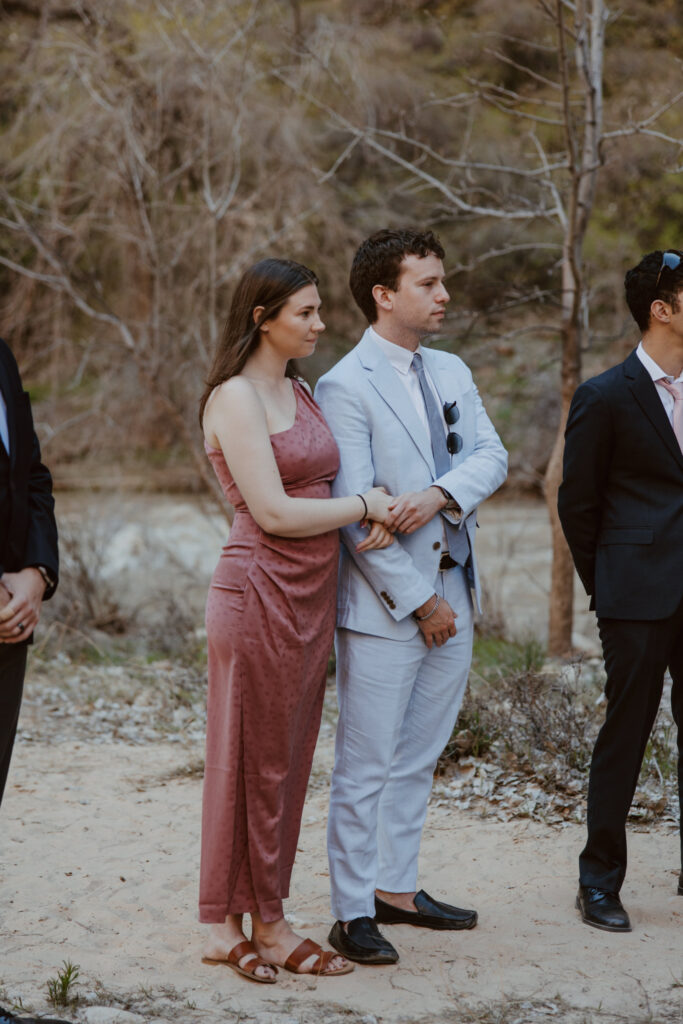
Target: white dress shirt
{"x": 4, "y": 428}
{"x": 401, "y": 359}
{"x": 656, "y": 372}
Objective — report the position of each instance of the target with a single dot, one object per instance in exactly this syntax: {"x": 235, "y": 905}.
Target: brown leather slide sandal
{"x": 236, "y": 954}
{"x": 321, "y": 966}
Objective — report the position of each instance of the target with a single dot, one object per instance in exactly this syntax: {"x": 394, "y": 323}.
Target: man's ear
{"x": 257, "y": 313}
{"x": 384, "y": 297}
{"x": 660, "y": 311}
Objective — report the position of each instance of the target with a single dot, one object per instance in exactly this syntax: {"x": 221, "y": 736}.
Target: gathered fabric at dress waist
{"x": 253, "y": 553}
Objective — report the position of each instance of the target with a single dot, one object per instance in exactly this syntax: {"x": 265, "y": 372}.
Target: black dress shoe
{"x": 362, "y": 941}
{"x": 9, "y": 1018}
{"x": 680, "y": 884}
{"x": 430, "y": 913}
{"x": 602, "y": 909}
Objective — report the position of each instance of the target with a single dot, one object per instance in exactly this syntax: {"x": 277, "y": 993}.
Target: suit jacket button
{"x": 436, "y": 545}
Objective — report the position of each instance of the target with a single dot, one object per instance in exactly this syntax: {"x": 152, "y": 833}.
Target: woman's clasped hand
{"x": 378, "y": 503}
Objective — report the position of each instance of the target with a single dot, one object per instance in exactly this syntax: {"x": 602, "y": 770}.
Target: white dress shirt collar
{"x": 655, "y": 371}
{"x": 399, "y": 357}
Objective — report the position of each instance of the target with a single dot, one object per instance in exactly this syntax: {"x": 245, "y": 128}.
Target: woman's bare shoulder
{"x": 236, "y": 393}
{"x": 232, "y": 404}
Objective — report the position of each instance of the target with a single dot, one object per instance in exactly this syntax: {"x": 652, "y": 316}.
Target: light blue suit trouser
{"x": 398, "y": 702}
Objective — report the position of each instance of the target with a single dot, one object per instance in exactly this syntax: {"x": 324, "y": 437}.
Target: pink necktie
{"x": 676, "y": 391}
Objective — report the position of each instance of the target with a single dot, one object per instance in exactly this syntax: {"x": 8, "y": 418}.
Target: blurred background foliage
{"x": 151, "y": 150}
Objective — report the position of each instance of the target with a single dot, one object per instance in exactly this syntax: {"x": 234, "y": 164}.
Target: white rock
{"x": 110, "y": 1015}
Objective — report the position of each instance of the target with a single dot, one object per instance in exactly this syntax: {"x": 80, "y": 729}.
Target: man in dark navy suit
{"x": 28, "y": 545}
{"x": 621, "y": 506}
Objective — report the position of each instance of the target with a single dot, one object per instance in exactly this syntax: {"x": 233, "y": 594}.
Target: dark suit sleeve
{"x": 41, "y": 539}
{"x": 36, "y": 543}
{"x": 588, "y": 445}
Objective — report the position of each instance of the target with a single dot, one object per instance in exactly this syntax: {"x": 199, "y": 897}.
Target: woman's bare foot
{"x": 275, "y": 941}
{"x": 224, "y": 937}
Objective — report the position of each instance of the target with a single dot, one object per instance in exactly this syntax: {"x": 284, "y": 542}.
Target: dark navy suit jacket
{"x": 621, "y": 497}
{"x": 28, "y": 532}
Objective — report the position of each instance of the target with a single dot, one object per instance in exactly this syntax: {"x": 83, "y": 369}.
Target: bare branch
{"x": 466, "y": 164}
{"x": 506, "y": 250}
{"x": 54, "y": 280}
{"x": 565, "y": 77}
{"x": 524, "y": 68}
{"x": 549, "y": 183}
{"x": 513, "y": 111}
{"x": 340, "y": 159}
{"x": 641, "y": 127}
{"x": 368, "y": 136}
{"x": 459, "y": 203}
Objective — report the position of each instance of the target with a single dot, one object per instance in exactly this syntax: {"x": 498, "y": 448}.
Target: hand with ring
{"x": 19, "y": 616}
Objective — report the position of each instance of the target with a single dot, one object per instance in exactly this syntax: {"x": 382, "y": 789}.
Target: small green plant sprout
{"x": 59, "y": 988}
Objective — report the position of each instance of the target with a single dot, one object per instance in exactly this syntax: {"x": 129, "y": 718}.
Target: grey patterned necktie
{"x": 442, "y": 460}
{"x": 457, "y": 544}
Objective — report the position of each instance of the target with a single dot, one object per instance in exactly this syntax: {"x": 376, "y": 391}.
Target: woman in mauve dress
{"x": 270, "y": 617}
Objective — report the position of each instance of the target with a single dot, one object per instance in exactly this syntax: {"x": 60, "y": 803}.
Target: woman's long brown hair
{"x": 269, "y": 283}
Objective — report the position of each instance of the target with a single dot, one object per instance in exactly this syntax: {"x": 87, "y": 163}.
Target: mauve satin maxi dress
{"x": 270, "y": 619}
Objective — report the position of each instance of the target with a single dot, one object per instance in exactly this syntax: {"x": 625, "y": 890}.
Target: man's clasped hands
{"x": 405, "y": 514}
{"x": 21, "y": 595}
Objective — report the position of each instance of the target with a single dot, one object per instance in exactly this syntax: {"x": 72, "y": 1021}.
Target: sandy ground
{"x": 99, "y": 853}
{"x": 98, "y": 866}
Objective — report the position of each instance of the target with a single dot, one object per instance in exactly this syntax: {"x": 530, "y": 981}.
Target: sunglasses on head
{"x": 451, "y": 414}
{"x": 670, "y": 260}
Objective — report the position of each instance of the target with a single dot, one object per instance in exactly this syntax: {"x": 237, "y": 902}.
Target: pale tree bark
{"x": 583, "y": 153}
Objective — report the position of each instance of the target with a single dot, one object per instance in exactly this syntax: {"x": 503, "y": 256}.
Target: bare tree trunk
{"x": 561, "y": 603}
{"x": 583, "y": 164}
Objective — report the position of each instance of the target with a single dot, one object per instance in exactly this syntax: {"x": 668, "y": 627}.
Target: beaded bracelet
{"x": 423, "y": 618}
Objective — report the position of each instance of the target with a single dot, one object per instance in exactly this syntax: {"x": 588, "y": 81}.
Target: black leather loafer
{"x": 429, "y": 913}
{"x": 680, "y": 884}
{"x": 8, "y": 1018}
{"x": 602, "y": 909}
{"x": 362, "y": 941}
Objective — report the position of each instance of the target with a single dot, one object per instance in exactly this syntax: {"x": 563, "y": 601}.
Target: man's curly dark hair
{"x": 378, "y": 261}
{"x": 642, "y": 287}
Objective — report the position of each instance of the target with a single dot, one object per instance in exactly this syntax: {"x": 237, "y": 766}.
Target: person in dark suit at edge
{"x": 621, "y": 507}
{"x": 29, "y": 562}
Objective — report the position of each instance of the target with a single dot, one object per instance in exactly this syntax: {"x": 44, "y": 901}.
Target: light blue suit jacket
{"x": 382, "y": 440}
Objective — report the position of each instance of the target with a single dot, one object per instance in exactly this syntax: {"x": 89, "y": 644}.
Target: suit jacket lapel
{"x": 385, "y": 380}
{"x": 644, "y": 391}
{"x": 435, "y": 367}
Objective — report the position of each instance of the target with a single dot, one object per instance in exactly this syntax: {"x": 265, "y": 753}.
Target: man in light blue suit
{"x": 410, "y": 419}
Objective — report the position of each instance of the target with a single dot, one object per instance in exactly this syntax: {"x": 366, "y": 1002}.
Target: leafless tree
{"x": 547, "y": 179}
{"x": 164, "y": 171}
